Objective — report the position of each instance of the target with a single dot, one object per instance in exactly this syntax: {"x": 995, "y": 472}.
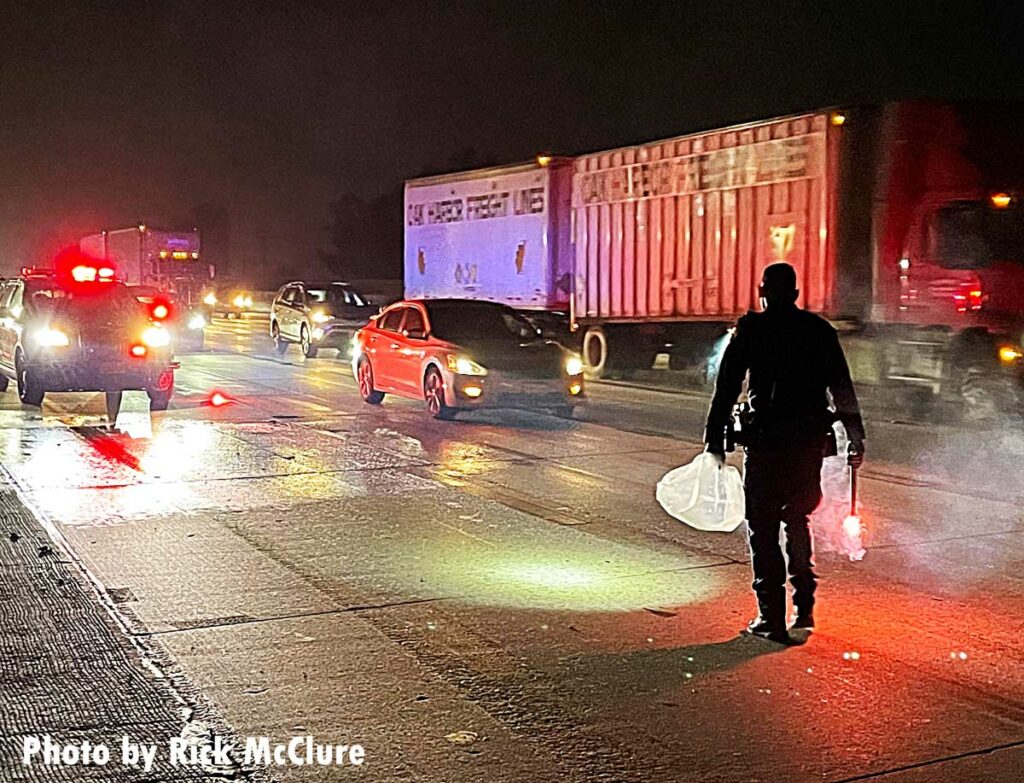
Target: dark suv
{"x": 318, "y": 315}
{"x": 93, "y": 336}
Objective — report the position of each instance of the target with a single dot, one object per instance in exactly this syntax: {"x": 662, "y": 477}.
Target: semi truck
{"x": 903, "y": 221}
{"x": 162, "y": 259}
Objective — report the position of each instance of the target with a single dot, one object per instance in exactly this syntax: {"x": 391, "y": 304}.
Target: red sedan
{"x": 460, "y": 355}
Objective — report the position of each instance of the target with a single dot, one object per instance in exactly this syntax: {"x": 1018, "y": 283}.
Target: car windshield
{"x": 336, "y": 296}
{"x": 468, "y": 322}
{"x": 973, "y": 235}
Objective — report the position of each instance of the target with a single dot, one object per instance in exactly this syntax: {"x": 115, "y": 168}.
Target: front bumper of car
{"x": 334, "y": 334}
{"x": 499, "y": 390}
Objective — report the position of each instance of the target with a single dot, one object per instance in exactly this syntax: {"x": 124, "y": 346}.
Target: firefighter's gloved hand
{"x": 718, "y": 455}
{"x": 854, "y": 454}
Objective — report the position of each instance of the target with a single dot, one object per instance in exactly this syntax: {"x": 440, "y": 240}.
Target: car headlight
{"x": 210, "y": 300}
{"x": 156, "y": 337}
{"x": 465, "y": 366}
{"x": 238, "y": 301}
{"x": 573, "y": 365}
{"x": 52, "y": 337}
{"x": 320, "y": 317}
{"x": 1008, "y": 354}
{"x": 248, "y": 301}
{"x": 196, "y": 321}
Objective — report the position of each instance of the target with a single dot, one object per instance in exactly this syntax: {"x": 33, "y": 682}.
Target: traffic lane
{"x": 194, "y": 609}
{"x": 985, "y": 459}
{"x": 566, "y": 472}
{"x": 567, "y": 611}
{"x": 283, "y": 389}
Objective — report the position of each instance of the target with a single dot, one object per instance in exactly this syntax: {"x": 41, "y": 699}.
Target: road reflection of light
{"x": 570, "y": 579}
{"x": 461, "y": 458}
{"x": 135, "y": 424}
{"x": 544, "y": 575}
{"x": 59, "y": 460}
{"x": 146, "y": 501}
{"x": 172, "y": 453}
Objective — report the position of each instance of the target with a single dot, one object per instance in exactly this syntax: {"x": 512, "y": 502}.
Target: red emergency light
{"x": 74, "y": 265}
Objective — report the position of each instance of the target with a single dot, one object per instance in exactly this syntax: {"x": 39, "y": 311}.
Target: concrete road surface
{"x": 501, "y": 598}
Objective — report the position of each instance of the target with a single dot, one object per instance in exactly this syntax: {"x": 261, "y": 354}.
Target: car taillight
{"x": 138, "y": 351}
{"x": 160, "y": 311}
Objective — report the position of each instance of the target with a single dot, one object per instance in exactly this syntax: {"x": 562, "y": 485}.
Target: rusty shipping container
{"x": 682, "y": 228}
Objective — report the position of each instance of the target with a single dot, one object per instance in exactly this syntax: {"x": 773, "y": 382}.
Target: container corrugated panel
{"x": 682, "y": 228}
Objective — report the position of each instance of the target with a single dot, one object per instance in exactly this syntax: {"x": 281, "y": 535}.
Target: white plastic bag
{"x": 703, "y": 495}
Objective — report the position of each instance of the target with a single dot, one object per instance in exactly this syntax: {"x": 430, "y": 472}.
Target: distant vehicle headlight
{"x": 52, "y": 337}
{"x": 238, "y": 301}
{"x": 463, "y": 365}
{"x": 1008, "y": 354}
{"x": 573, "y": 365}
{"x": 196, "y": 321}
{"x": 321, "y": 317}
{"x": 210, "y": 300}
{"x": 156, "y": 337}
{"x": 248, "y": 301}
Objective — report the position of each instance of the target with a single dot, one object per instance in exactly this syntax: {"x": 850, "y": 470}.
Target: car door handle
{"x": 394, "y": 345}
{"x": 373, "y": 338}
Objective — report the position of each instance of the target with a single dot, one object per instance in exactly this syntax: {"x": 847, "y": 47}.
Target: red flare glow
{"x": 219, "y": 399}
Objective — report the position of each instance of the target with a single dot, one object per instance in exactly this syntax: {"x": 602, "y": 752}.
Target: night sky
{"x": 115, "y": 112}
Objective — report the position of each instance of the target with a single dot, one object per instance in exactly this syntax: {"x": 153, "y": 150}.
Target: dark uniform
{"x": 794, "y": 361}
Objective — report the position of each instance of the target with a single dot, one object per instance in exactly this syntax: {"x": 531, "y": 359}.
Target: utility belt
{"x": 747, "y": 428}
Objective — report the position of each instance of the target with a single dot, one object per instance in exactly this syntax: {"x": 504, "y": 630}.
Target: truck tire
{"x": 30, "y": 391}
{"x": 972, "y": 379}
{"x": 595, "y": 352}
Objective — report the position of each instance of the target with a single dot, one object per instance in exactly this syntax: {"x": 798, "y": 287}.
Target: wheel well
{"x": 426, "y": 371}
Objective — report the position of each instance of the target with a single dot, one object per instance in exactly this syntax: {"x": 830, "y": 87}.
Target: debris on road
{"x": 462, "y": 737}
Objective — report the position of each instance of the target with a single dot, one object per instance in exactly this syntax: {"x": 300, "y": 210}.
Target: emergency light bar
{"x": 92, "y": 274}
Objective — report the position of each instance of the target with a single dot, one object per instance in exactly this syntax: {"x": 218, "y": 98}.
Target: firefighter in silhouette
{"x": 793, "y": 364}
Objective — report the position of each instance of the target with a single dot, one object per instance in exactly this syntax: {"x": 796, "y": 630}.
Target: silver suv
{"x": 317, "y": 315}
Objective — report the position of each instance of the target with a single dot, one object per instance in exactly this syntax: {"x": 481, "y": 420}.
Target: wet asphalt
{"x": 501, "y": 598}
